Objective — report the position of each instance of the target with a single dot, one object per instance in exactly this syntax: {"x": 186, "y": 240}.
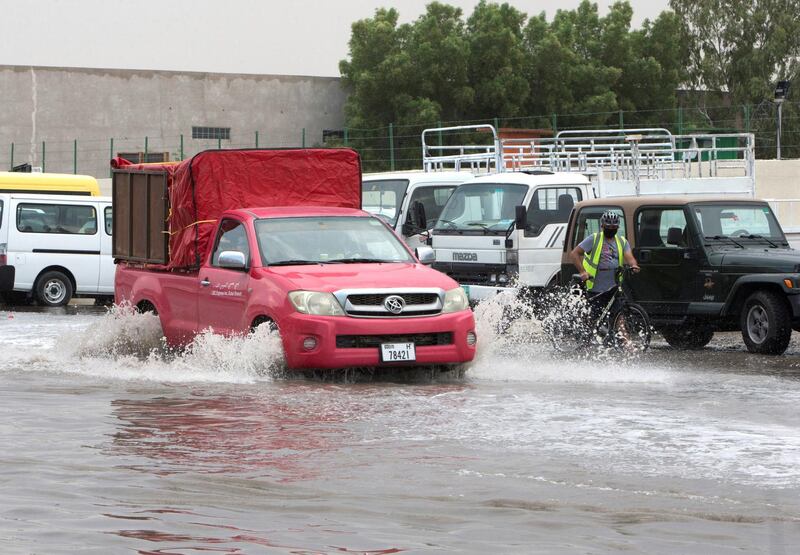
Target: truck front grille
{"x": 374, "y": 341}
{"x": 372, "y": 303}
{"x": 473, "y": 274}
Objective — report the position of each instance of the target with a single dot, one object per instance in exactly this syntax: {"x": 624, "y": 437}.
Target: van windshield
{"x": 327, "y": 240}
{"x": 739, "y": 224}
{"x": 384, "y": 198}
{"x": 482, "y": 208}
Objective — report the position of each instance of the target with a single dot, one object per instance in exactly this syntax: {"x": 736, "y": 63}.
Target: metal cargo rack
{"x": 620, "y": 161}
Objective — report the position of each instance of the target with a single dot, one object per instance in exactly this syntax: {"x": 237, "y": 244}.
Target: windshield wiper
{"x": 751, "y": 236}
{"x": 296, "y": 262}
{"x": 731, "y": 239}
{"x": 359, "y": 260}
{"x": 481, "y": 224}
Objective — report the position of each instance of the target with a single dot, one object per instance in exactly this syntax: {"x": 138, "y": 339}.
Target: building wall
{"x": 59, "y": 105}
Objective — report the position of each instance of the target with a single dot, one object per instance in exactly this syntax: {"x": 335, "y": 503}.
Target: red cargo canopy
{"x": 201, "y": 188}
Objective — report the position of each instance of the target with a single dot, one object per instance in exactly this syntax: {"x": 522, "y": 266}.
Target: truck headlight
{"x": 455, "y": 300}
{"x": 316, "y": 303}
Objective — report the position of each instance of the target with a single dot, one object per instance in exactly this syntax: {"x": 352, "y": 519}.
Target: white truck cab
{"x": 505, "y": 229}
{"x": 392, "y": 196}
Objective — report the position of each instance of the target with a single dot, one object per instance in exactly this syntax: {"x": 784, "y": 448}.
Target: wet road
{"x": 112, "y": 445}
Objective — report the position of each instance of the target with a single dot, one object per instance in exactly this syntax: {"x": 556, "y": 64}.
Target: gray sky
{"x": 291, "y": 37}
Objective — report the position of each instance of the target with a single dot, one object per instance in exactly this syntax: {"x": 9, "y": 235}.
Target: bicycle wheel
{"x": 631, "y": 329}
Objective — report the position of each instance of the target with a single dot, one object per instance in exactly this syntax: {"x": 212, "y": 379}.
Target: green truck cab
{"x": 707, "y": 264}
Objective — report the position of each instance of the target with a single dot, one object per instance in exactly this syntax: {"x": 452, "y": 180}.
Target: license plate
{"x": 398, "y": 352}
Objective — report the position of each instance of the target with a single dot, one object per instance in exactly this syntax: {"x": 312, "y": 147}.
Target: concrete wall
{"x": 59, "y": 105}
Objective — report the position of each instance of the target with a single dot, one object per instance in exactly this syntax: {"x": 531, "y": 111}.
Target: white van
{"x": 55, "y": 247}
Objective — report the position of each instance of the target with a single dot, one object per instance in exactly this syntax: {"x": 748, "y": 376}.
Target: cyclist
{"x": 599, "y": 255}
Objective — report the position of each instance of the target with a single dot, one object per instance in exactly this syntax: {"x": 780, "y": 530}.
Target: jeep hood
{"x": 769, "y": 261}
{"x": 334, "y": 277}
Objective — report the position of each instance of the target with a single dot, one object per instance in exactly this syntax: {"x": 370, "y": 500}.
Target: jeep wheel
{"x": 766, "y": 323}
{"x": 690, "y": 338}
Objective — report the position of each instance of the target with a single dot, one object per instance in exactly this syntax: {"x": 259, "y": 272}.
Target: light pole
{"x": 781, "y": 89}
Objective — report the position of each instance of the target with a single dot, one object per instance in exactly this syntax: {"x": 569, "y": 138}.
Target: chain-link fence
{"x": 398, "y": 147}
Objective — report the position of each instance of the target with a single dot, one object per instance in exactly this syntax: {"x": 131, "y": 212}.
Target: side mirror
{"x": 675, "y": 236}
{"x": 520, "y": 217}
{"x": 418, "y": 217}
{"x": 426, "y": 255}
{"x": 233, "y": 260}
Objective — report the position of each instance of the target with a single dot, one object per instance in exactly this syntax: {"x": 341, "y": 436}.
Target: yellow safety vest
{"x": 591, "y": 260}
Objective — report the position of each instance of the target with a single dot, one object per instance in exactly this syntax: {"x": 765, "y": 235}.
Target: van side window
{"x": 550, "y": 205}
{"x": 232, "y": 237}
{"x": 56, "y": 218}
{"x": 108, "y": 215}
{"x": 433, "y": 199}
{"x": 588, "y": 222}
{"x": 653, "y": 225}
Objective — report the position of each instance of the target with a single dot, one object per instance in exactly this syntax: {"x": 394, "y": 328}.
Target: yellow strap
{"x": 190, "y": 225}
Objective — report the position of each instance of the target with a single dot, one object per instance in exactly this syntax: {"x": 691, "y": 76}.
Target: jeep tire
{"x": 690, "y": 337}
{"x": 766, "y": 323}
{"x": 53, "y": 289}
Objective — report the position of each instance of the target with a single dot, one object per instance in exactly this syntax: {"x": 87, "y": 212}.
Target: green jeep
{"x": 707, "y": 264}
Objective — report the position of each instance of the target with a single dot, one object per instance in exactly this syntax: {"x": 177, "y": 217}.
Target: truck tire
{"x": 691, "y": 338}
{"x": 766, "y": 323}
{"x": 53, "y": 289}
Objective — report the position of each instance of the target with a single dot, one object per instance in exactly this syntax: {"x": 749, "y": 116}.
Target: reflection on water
{"x": 267, "y": 436}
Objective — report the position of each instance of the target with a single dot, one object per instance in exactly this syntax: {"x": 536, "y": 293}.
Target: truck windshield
{"x": 738, "y": 224}
{"x": 384, "y": 198}
{"x": 481, "y": 207}
{"x": 327, "y": 240}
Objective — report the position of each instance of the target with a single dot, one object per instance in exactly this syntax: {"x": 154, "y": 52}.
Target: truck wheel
{"x": 53, "y": 289}
{"x": 766, "y": 323}
{"x": 691, "y": 338}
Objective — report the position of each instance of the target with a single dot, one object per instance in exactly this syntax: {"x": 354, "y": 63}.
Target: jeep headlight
{"x": 455, "y": 300}
{"x": 316, "y": 303}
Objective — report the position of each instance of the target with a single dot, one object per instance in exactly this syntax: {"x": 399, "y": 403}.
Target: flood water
{"x": 112, "y": 445}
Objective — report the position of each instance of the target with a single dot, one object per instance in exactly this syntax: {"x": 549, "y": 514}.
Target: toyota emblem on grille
{"x": 394, "y": 304}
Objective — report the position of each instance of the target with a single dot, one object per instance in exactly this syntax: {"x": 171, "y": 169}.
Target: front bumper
{"x": 325, "y": 329}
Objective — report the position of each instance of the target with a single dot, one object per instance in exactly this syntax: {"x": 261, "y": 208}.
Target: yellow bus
{"x": 52, "y": 183}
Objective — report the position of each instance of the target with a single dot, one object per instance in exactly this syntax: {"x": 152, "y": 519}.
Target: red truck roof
{"x": 205, "y": 186}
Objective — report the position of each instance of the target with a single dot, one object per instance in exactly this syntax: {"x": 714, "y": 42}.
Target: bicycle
{"x": 620, "y": 323}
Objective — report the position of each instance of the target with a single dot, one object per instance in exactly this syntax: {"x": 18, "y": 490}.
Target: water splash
{"x": 129, "y": 345}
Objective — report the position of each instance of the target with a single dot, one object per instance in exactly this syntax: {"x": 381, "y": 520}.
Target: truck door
{"x": 224, "y": 292}
{"x": 541, "y": 243}
{"x": 669, "y": 265}
{"x": 433, "y": 198}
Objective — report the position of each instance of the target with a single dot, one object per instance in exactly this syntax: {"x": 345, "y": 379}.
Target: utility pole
{"x": 781, "y": 90}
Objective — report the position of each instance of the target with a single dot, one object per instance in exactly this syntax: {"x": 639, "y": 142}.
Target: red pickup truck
{"x": 341, "y": 287}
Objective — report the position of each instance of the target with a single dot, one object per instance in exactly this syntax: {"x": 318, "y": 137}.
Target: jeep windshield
{"x": 481, "y": 209}
{"x": 384, "y": 198}
{"x": 739, "y": 225}
{"x": 327, "y": 240}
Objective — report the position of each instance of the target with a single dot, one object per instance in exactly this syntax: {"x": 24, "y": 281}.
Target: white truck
{"x": 394, "y": 196}
{"x": 505, "y": 229}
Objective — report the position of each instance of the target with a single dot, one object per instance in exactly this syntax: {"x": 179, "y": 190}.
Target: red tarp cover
{"x": 201, "y": 188}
